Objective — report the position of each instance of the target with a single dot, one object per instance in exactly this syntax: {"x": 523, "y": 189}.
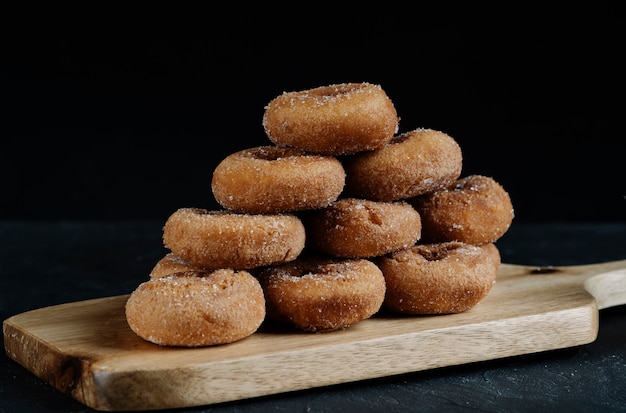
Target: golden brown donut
{"x": 442, "y": 278}
{"x": 222, "y": 239}
{"x": 360, "y": 228}
{"x": 410, "y": 164}
{"x": 193, "y": 309}
{"x": 475, "y": 210}
{"x": 171, "y": 264}
{"x": 272, "y": 179}
{"x": 332, "y": 120}
{"x": 494, "y": 253}
{"x": 316, "y": 294}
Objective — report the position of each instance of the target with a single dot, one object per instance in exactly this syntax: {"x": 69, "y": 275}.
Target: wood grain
{"x": 86, "y": 349}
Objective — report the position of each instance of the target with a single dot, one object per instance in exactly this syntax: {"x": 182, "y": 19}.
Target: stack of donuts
{"x": 338, "y": 217}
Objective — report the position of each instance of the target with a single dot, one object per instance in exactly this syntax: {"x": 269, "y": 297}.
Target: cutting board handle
{"x": 606, "y": 282}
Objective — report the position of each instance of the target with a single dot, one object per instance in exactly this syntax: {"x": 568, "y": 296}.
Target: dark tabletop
{"x": 47, "y": 263}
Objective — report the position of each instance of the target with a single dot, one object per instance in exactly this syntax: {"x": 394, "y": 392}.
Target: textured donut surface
{"x": 271, "y": 179}
{"x": 494, "y": 253}
{"x": 222, "y": 239}
{"x": 333, "y": 120}
{"x": 322, "y": 294}
{"x": 360, "y": 228}
{"x": 410, "y": 164}
{"x": 170, "y": 264}
{"x": 195, "y": 309}
{"x": 476, "y": 210}
{"x": 442, "y": 278}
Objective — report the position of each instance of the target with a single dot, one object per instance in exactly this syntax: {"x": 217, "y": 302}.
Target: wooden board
{"x": 86, "y": 349}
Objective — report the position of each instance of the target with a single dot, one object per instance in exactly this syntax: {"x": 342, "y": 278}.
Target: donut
{"x": 317, "y": 294}
{"x": 193, "y": 309}
{"x": 222, "y": 239}
{"x": 410, "y": 164}
{"x": 361, "y": 228}
{"x": 475, "y": 209}
{"x": 272, "y": 179}
{"x": 171, "y": 264}
{"x": 441, "y": 278}
{"x": 494, "y": 253}
{"x": 333, "y": 120}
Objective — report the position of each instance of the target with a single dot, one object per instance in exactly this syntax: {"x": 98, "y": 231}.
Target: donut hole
{"x": 437, "y": 252}
{"x": 268, "y": 153}
{"x": 399, "y": 139}
{"x": 223, "y": 284}
{"x": 373, "y": 215}
{"x": 335, "y": 91}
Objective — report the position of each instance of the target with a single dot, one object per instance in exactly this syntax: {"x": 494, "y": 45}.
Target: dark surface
{"x": 47, "y": 263}
{"x": 126, "y": 118}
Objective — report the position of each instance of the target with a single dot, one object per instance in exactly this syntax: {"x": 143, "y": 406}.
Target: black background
{"x": 126, "y": 118}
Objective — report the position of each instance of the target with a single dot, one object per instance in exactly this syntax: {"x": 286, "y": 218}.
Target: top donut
{"x": 337, "y": 119}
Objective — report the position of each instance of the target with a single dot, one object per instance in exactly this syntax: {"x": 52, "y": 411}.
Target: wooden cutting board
{"x": 86, "y": 349}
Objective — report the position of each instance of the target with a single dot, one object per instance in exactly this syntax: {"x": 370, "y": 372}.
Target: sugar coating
{"x": 411, "y": 164}
{"x": 318, "y": 294}
{"x": 475, "y": 209}
{"x": 359, "y": 228}
{"x": 440, "y": 278}
{"x": 170, "y": 264}
{"x": 332, "y": 120}
{"x": 269, "y": 179}
{"x": 192, "y": 309}
{"x": 222, "y": 239}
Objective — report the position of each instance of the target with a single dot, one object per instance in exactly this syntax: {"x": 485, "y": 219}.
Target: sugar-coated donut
{"x": 170, "y": 264}
{"x": 411, "y": 164}
{"x": 360, "y": 228}
{"x": 332, "y": 120}
{"x": 222, "y": 239}
{"x": 476, "y": 210}
{"x": 494, "y": 253}
{"x": 316, "y": 294}
{"x": 441, "y": 278}
{"x": 193, "y": 309}
{"x": 272, "y": 179}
